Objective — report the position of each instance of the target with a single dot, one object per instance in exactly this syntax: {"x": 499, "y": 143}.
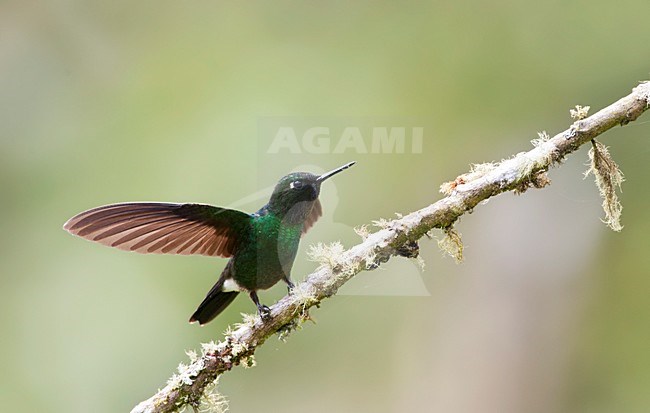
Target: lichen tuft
{"x": 362, "y": 231}
{"x": 382, "y": 223}
{"x": 608, "y": 177}
{"x": 238, "y": 348}
{"x": 212, "y": 401}
{"x": 580, "y": 112}
{"x": 212, "y": 347}
{"x": 476, "y": 171}
{"x": 326, "y": 254}
{"x": 542, "y": 139}
{"x": 452, "y": 244}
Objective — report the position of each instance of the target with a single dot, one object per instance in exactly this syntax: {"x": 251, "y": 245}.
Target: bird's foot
{"x": 290, "y": 287}
{"x": 265, "y": 312}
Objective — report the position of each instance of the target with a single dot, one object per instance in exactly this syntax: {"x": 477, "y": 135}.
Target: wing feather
{"x": 163, "y": 228}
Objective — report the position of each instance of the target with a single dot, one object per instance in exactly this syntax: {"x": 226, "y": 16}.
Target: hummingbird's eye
{"x": 295, "y": 185}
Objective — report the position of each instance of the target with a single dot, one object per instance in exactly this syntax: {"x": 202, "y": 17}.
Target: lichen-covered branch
{"x": 397, "y": 237}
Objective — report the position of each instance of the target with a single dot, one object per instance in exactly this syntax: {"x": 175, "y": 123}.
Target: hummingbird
{"x": 261, "y": 247}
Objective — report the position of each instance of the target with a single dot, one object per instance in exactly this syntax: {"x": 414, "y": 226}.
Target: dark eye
{"x": 296, "y": 185}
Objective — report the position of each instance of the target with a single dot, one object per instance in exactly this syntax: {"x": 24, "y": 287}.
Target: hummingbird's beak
{"x": 334, "y": 172}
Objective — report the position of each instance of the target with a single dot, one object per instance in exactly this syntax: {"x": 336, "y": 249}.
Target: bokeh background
{"x": 105, "y": 102}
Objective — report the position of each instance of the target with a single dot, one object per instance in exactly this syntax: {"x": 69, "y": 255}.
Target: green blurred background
{"x": 121, "y": 101}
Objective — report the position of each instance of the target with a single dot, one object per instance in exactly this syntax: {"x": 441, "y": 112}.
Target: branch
{"x": 398, "y": 237}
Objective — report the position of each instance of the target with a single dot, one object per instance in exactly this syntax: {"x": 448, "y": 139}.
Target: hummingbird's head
{"x": 295, "y": 194}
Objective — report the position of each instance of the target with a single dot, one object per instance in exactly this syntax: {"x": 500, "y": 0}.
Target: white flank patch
{"x": 230, "y": 285}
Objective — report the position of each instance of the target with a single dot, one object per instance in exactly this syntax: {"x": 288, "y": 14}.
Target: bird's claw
{"x": 265, "y": 312}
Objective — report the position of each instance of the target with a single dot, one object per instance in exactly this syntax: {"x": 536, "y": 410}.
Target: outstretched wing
{"x": 162, "y": 228}
{"x": 316, "y": 212}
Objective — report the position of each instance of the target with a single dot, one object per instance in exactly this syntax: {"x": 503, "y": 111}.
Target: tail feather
{"x": 214, "y": 303}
